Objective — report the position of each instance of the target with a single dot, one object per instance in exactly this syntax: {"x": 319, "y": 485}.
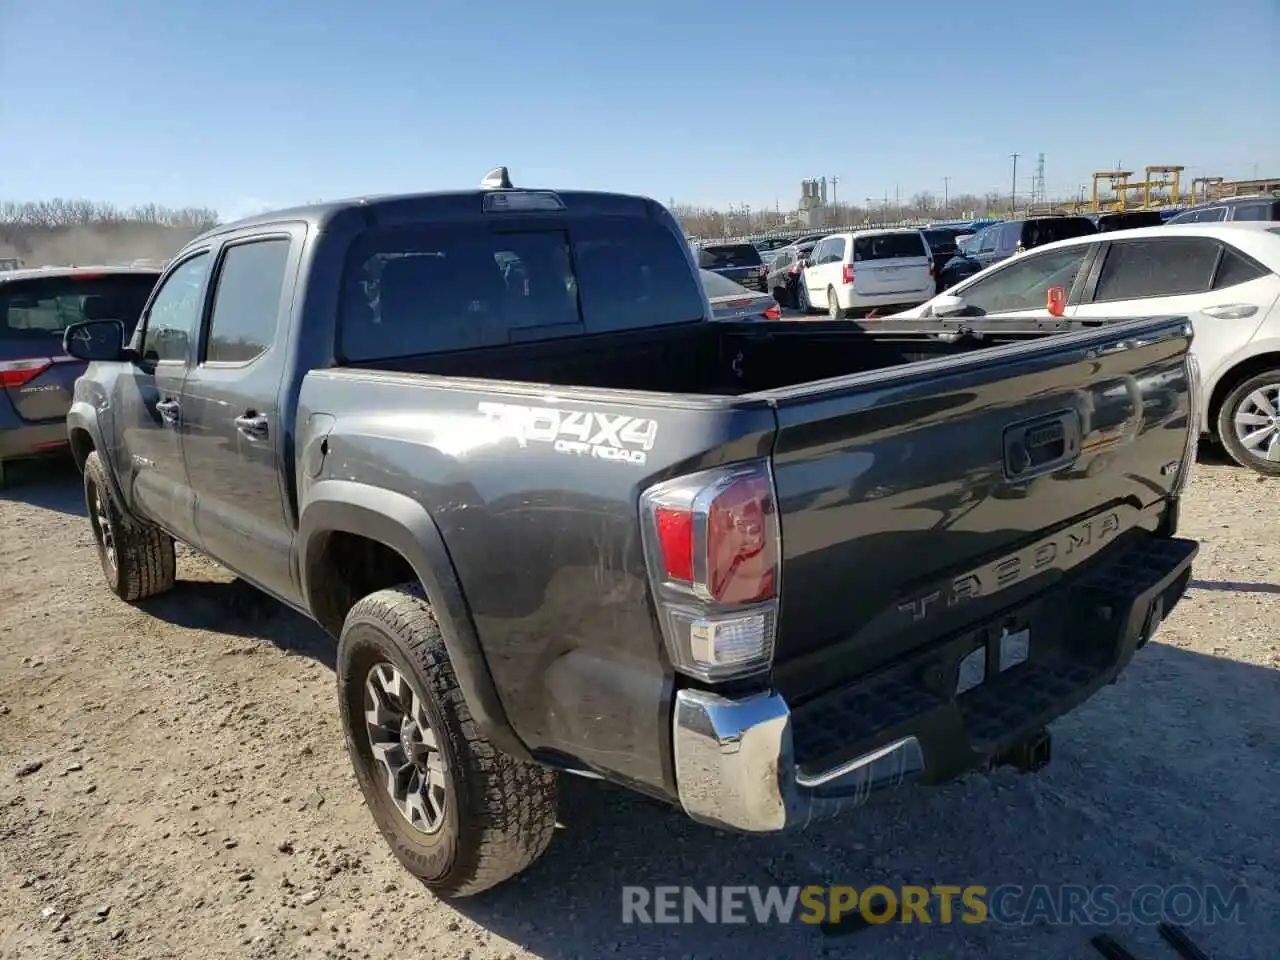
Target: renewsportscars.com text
{"x": 1009, "y": 904}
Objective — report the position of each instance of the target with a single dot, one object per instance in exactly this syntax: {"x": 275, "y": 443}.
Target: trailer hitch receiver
{"x": 1030, "y": 755}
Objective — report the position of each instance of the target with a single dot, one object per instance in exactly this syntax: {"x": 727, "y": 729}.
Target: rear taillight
{"x": 713, "y": 548}
{"x": 846, "y": 275}
{"x": 774, "y": 312}
{"x": 14, "y": 373}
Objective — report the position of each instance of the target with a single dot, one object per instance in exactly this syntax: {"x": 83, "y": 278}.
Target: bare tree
{"x": 61, "y": 230}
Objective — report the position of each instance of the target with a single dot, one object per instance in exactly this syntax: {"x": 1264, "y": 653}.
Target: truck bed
{"x": 718, "y": 359}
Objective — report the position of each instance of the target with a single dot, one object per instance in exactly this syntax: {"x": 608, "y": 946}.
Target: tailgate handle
{"x": 1042, "y": 445}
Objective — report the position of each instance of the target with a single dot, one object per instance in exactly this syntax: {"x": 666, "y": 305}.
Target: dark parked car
{"x": 770, "y": 244}
{"x": 739, "y": 262}
{"x": 36, "y": 377}
{"x": 785, "y": 270}
{"x": 732, "y": 301}
{"x": 1001, "y": 240}
{"x": 942, "y": 243}
{"x": 560, "y": 523}
{"x": 1231, "y": 208}
{"x": 1126, "y": 220}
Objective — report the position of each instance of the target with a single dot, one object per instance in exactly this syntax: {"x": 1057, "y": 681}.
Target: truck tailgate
{"x": 916, "y": 502}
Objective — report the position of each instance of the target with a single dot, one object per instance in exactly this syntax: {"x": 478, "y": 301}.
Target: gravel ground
{"x": 173, "y": 784}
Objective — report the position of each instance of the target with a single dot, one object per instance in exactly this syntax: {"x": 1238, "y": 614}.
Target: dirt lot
{"x": 172, "y": 784}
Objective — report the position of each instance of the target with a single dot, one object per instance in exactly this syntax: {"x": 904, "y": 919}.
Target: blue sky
{"x": 241, "y": 105}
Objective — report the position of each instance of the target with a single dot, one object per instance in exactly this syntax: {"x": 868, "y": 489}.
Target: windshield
{"x": 41, "y": 308}
{"x": 736, "y": 255}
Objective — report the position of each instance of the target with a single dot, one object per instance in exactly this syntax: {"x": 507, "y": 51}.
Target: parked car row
{"x": 1225, "y": 278}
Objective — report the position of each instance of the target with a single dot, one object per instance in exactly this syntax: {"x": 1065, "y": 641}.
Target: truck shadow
{"x": 53, "y": 484}
{"x": 235, "y": 608}
{"x": 1161, "y": 779}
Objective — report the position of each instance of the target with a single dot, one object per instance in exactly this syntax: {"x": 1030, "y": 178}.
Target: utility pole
{"x": 870, "y": 210}
{"x": 946, "y": 195}
{"x": 1013, "y": 187}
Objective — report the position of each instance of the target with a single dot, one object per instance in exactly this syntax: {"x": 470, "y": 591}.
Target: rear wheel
{"x": 137, "y": 557}
{"x": 458, "y": 814}
{"x": 834, "y": 310}
{"x": 802, "y": 297}
{"x": 1249, "y": 423}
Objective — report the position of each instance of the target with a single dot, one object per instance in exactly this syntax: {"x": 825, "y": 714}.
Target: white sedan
{"x": 1225, "y": 277}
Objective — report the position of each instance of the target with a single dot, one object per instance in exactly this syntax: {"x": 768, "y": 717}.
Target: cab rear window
{"x": 41, "y": 308}
{"x": 421, "y": 290}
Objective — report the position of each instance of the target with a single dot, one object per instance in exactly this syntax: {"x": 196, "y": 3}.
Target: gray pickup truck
{"x": 559, "y": 522}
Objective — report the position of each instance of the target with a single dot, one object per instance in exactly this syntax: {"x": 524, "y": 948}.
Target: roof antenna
{"x": 497, "y": 179}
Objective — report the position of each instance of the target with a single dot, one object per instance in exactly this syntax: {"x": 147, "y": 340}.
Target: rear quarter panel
{"x": 535, "y": 494}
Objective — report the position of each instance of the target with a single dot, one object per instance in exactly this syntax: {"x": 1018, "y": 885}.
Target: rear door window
{"x": 1156, "y": 267}
{"x": 39, "y": 309}
{"x": 421, "y": 290}
{"x": 734, "y": 255}
{"x": 836, "y": 247}
{"x": 246, "y": 301}
{"x": 888, "y": 246}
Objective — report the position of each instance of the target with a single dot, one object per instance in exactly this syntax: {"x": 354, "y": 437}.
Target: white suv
{"x": 867, "y": 270}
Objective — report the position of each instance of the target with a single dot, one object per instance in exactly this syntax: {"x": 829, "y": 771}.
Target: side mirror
{"x": 947, "y": 305}
{"x": 94, "y": 340}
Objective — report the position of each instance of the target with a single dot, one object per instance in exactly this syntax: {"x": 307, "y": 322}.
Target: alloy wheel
{"x": 405, "y": 747}
{"x": 1257, "y": 422}
{"x": 103, "y": 532}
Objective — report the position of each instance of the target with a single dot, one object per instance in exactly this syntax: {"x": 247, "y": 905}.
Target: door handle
{"x": 1231, "y": 311}
{"x": 252, "y": 425}
{"x": 168, "y": 410}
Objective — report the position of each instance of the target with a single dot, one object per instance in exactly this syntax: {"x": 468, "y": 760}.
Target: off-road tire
{"x": 144, "y": 564}
{"x": 500, "y": 813}
{"x": 1226, "y": 429}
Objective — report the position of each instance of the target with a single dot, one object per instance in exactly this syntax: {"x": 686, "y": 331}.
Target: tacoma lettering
{"x": 1064, "y": 549}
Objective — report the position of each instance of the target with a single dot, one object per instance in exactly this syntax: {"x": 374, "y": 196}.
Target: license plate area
{"x": 995, "y": 651}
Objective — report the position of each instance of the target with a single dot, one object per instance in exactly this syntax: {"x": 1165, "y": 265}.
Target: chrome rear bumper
{"x": 735, "y": 766}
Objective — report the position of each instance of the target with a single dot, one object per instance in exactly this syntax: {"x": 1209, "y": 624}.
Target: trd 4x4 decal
{"x": 606, "y": 436}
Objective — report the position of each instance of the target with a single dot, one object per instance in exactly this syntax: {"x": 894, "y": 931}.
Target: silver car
{"x": 732, "y": 301}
